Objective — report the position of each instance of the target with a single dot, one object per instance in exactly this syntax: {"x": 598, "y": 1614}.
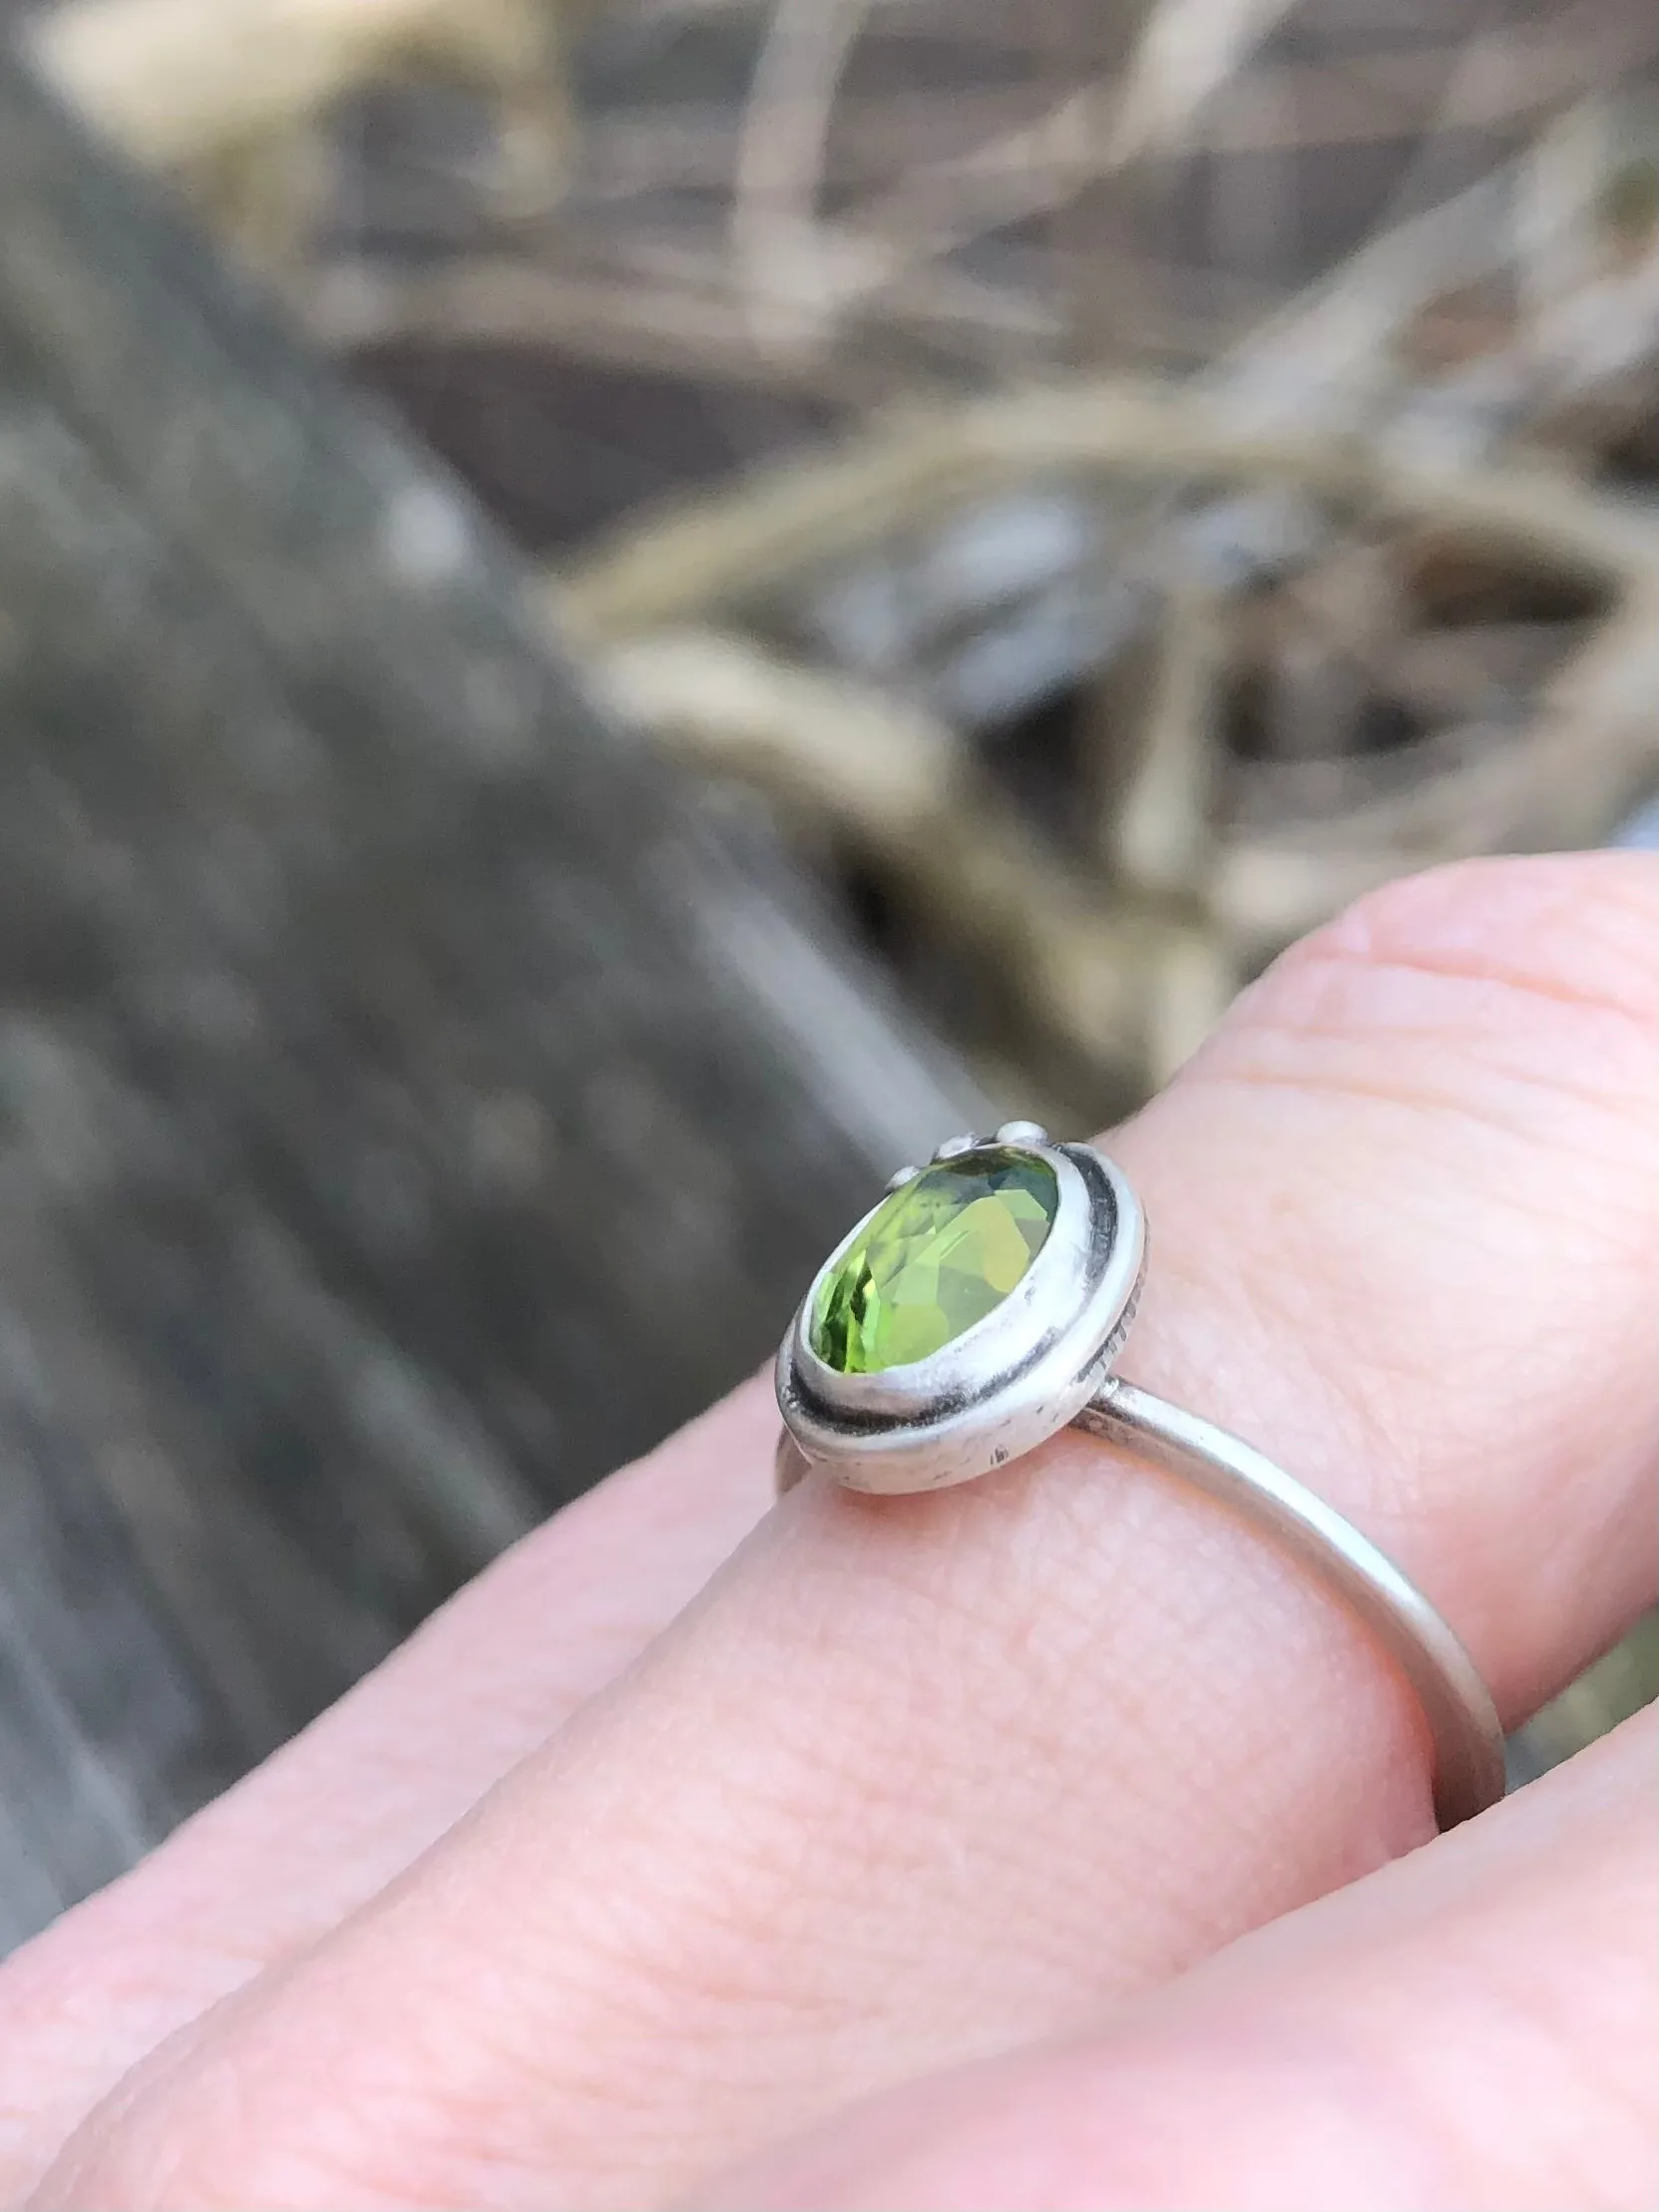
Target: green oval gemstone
{"x": 939, "y": 1255}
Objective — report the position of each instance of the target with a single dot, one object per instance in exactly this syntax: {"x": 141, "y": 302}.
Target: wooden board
{"x": 412, "y": 1102}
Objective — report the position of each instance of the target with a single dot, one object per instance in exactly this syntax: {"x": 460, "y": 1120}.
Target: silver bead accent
{"x": 1021, "y": 1132}
{"x": 954, "y": 1147}
{"x": 905, "y": 1174}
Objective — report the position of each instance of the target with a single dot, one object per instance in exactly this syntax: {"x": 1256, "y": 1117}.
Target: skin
{"x": 1046, "y": 1843}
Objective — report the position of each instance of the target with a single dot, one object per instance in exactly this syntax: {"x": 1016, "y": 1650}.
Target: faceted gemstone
{"x": 939, "y": 1255}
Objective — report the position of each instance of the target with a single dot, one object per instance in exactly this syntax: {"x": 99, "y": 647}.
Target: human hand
{"x": 915, "y": 1863}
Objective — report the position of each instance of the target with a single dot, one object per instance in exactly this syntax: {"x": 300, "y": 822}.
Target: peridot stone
{"x": 939, "y": 1255}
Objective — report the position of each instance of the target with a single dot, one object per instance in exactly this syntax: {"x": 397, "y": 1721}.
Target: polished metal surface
{"x": 1042, "y": 1361}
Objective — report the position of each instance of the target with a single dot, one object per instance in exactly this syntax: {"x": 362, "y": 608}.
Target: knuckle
{"x": 1499, "y": 989}
{"x": 1576, "y": 929}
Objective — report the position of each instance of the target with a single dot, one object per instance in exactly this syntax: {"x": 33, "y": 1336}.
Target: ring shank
{"x": 1466, "y": 1735}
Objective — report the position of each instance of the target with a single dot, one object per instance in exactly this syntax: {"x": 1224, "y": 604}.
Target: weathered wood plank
{"x": 411, "y": 1102}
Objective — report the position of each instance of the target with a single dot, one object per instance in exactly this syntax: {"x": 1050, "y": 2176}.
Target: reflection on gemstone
{"x": 939, "y": 1255}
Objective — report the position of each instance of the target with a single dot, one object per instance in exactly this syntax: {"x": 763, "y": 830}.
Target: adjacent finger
{"x": 922, "y": 1778}
{"x": 1474, "y": 2030}
{"x": 332, "y": 1817}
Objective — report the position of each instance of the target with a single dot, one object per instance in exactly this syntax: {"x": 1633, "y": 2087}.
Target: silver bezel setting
{"x": 1008, "y": 1383}
{"x": 1045, "y": 1358}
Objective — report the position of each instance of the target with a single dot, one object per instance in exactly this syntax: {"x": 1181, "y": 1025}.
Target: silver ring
{"x": 981, "y": 1306}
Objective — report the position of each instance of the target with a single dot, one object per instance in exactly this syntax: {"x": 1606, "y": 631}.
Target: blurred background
{"x": 616, "y": 614}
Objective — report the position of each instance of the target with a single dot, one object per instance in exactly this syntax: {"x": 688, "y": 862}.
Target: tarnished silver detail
{"x": 1041, "y": 1360}
{"x": 954, "y": 1147}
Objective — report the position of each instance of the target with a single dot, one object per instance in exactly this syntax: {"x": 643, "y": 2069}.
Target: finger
{"x": 339, "y": 1812}
{"x": 921, "y": 1778}
{"x": 1474, "y": 2030}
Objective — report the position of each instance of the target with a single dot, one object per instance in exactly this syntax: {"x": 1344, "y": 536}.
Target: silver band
{"x": 1043, "y": 1361}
